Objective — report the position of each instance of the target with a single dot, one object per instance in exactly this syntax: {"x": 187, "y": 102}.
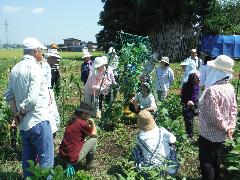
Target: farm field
{"x": 116, "y": 136}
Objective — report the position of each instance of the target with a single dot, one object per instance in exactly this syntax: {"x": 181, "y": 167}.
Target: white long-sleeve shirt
{"x": 26, "y": 86}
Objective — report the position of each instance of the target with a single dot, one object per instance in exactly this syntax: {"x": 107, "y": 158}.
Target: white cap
{"x": 32, "y": 43}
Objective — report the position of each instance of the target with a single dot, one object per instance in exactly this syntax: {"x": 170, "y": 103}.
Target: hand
{"x": 14, "y": 123}
{"x": 70, "y": 170}
{"x": 90, "y": 122}
{"x": 230, "y": 133}
{"x": 190, "y": 103}
{"x": 17, "y": 118}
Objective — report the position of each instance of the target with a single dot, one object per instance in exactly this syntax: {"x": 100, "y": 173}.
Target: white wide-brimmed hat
{"x": 222, "y": 63}
{"x": 32, "y": 43}
{"x": 193, "y": 50}
{"x": 99, "y": 61}
{"x": 145, "y": 121}
{"x": 165, "y": 59}
{"x": 53, "y": 53}
{"x": 86, "y": 54}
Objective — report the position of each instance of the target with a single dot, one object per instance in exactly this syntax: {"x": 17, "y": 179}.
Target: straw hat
{"x": 32, "y": 43}
{"x": 54, "y": 46}
{"x": 222, "y": 63}
{"x": 86, "y": 54}
{"x": 165, "y": 59}
{"x": 85, "y": 107}
{"x": 145, "y": 121}
{"x": 99, "y": 61}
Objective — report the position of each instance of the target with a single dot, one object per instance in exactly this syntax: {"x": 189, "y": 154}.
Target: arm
{"x": 35, "y": 78}
{"x": 153, "y": 106}
{"x": 171, "y": 77}
{"x": 93, "y": 127}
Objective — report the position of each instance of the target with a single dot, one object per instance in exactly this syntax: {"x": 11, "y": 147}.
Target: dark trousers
{"x": 55, "y": 81}
{"x": 210, "y": 159}
{"x": 189, "y": 125}
{"x": 188, "y": 119}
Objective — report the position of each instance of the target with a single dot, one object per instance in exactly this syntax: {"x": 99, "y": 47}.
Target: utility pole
{"x": 6, "y": 31}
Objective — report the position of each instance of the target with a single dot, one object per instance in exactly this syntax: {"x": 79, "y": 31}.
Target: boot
{"x": 89, "y": 159}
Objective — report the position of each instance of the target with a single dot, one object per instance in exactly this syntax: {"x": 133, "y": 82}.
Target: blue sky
{"x": 49, "y": 20}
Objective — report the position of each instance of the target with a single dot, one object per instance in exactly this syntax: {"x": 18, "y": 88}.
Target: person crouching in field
{"x": 74, "y": 146}
{"x": 95, "y": 81}
{"x": 189, "y": 100}
{"x": 154, "y": 145}
{"x": 143, "y": 100}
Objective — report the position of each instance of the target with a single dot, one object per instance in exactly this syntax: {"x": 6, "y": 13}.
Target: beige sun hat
{"x": 165, "y": 59}
{"x": 99, "y": 61}
{"x": 145, "y": 121}
{"x": 85, "y": 107}
{"x": 222, "y": 63}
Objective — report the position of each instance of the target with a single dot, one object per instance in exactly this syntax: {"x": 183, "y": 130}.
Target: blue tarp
{"x": 218, "y": 45}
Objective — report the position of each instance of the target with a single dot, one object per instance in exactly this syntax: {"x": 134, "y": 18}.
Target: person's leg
{"x": 29, "y": 152}
{"x": 89, "y": 145}
{"x": 217, "y": 162}
{"x": 206, "y": 157}
{"x": 42, "y": 138}
{"x": 159, "y": 93}
{"x": 189, "y": 125}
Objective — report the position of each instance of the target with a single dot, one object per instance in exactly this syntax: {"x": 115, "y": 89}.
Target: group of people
{"x": 205, "y": 92}
{"x": 31, "y": 98}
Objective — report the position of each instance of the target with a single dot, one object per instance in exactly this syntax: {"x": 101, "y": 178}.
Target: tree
{"x": 173, "y": 26}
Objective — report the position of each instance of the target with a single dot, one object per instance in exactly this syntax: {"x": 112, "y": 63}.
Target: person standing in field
{"x": 189, "y": 100}
{"x": 165, "y": 78}
{"x": 95, "y": 81}
{"x": 86, "y": 67}
{"x": 28, "y": 96}
{"x": 53, "y": 59}
{"x": 217, "y": 116}
{"x": 55, "y": 118}
{"x": 192, "y": 63}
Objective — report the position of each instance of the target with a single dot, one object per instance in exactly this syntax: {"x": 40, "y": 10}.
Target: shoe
{"x": 89, "y": 159}
{"x": 98, "y": 114}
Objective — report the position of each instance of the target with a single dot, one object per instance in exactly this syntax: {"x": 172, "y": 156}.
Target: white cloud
{"x": 8, "y": 9}
{"x": 38, "y": 10}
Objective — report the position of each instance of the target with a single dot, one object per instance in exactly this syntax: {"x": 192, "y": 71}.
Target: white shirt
{"x": 27, "y": 87}
{"x": 151, "y": 139}
{"x": 54, "y": 115}
{"x": 145, "y": 102}
{"x": 191, "y": 67}
{"x": 165, "y": 78}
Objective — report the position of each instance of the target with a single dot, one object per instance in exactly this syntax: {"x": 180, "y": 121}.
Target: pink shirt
{"x": 94, "y": 80}
{"x": 218, "y": 111}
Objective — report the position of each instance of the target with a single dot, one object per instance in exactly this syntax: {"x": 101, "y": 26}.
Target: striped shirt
{"x": 218, "y": 111}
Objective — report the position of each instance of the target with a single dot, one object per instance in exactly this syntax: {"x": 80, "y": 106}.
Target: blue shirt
{"x": 27, "y": 87}
{"x": 165, "y": 78}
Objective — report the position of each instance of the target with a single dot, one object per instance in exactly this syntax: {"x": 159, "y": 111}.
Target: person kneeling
{"x": 154, "y": 145}
{"x": 74, "y": 147}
